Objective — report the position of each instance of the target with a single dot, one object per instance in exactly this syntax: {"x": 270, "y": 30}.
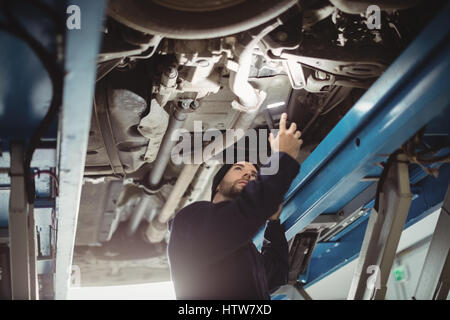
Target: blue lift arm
{"x": 25, "y": 91}
{"x": 412, "y": 93}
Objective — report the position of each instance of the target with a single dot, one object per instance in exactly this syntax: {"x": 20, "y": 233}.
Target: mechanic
{"x": 211, "y": 252}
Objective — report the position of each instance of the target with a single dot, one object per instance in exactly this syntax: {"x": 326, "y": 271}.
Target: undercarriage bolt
{"x": 194, "y": 105}
{"x": 320, "y": 75}
{"x": 184, "y": 104}
{"x": 169, "y": 77}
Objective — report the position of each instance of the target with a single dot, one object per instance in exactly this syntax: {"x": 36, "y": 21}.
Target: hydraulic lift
{"x": 37, "y": 236}
{"x": 355, "y": 180}
{"x": 338, "y": 181}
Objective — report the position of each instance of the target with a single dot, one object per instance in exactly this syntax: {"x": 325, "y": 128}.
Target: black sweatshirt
{"x": 211, "y": 252}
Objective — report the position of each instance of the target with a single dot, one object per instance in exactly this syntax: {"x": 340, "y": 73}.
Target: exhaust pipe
{"x": 162, "y": 159}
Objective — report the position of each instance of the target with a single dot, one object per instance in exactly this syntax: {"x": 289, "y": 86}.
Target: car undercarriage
{"x": 169, "y": 65}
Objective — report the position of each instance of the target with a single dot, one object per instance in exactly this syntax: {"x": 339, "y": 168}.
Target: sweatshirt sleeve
{"x": 275, "y": 253}
{"x": 216, "y": 230}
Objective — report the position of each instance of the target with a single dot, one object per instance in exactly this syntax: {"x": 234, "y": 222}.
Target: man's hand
{"x": 277, "y": 214}
{"x": 287, "y": 140}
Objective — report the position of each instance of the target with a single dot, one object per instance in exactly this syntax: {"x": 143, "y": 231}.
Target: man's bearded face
{"x": 237, "y": 178}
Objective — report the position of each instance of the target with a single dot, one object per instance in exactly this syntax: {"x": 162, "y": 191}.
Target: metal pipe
{"x": 203, "y": 179}
{"x": 160, "y": 164}
{"x": 154, "y": 179}
{"x": 158, "y": 227}
{"x": 248, "y": 96}
{"x": 137, "y": 216}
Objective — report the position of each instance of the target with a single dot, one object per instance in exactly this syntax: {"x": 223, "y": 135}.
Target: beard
{"x": 231, "y": 190}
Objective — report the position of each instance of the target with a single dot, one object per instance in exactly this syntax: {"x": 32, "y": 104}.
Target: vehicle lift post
{"x": 383, "y": 234}
{"x": 22, "y": 244}
{"x": 434, "y": 281}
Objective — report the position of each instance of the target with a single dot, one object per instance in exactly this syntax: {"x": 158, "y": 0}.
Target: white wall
{"x": 337, "y": 285}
